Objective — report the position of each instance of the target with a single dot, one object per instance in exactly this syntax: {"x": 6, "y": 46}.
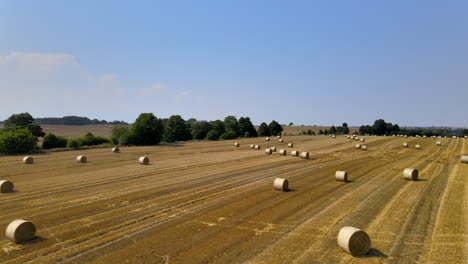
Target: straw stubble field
{"x": 209, "y": 202}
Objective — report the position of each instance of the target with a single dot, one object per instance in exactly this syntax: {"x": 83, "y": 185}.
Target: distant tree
{"x": 231, "y": 123}
{"x": 321, "y": 132}
{"x": 147, "y": 130}
{"x": 212, "y": 135}
{"x": 333, "y": 130}
{"x": 339, "y": 130}
{"x": 51, "y": 141}
{"x": 191, "y": 121}
{"x": 177, "y": 129}
{"x": 345, "y": 130}
{"x": 121, "y": 135}
{"x": 229, "y": 134}
{"x": 200, "y": 129}
{"x": 218, "y": 125}
{"x": 264, "y": 130}
{"x": 275, "y": 128}
{"x": 17, "y": 141}
{"x": 291, "y": 124}
{"x": 309, "y": 132}
{"x": 326, "y": 132}
{"x": 379, "y": 127}
{"x": 344, "y": 124}
{"x": 74, "y": 143}
{"x": 23, "y": 120}
{"x": 246, "y": 127}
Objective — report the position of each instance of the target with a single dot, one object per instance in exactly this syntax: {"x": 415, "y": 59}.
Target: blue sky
{"x": 307, "y": 62}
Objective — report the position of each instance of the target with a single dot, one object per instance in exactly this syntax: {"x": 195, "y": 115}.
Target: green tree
{"x": 229, "y": 134}
{"x": 120, "y": 135}
{"x": 177, "y": 129}
{"x": 51, "y": 141}
{"x": 212, "y": 135}
{"x": 246, "y": 127}
{"x": 275, "y": 128}
{"x": 200, "y": 129}
{"x": 264, "y": 130}
{"x": 333, "y": 130}
{"x": 379, "y": 127}
{"x": 321, "y": 132}
{"x": 218, "y": 125}
{"x": 147, "y": 130}
{"x": 309, "y": 132}
{"x": 74, "y": 143}
{"x": 231, "y": 123}
{"x": 23, "y": 120}
{"x": 345, "y": 130}
{"x": 17, "y": 141}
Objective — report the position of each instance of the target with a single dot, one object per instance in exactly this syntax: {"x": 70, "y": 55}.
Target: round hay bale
{"x": 290, "y": 145}
{"x": 280, "y": 140}
{"x": 273, "y": 149}
{"x": 281, "y": 184}
{"x": 82, "y": 159}
{"x": 279, "y": 136}
{"x": 267, "y": 139}
{"x": 257, "y": 147}
{"x": 6, "y": 186}
{"x": 454, "y": 137}
{"x": 410, "y": 174}
{"x": 333, "y": 136}
{"x": 364, "y": 147}
{"x": 143, "y": 160}
{"x": 282, "y": 152}
{"x": 295, "y": 153}
{"x": 465, "y": 137}
{"x": 405, "y": 145}
{"x": 418, "y": 146}
{"x": 252, "y": 146}
{"x": 354, "y": 241}
{"x": 341, "y": 176}
{"x": 20, "y": 231}
{"x": 357, "y": 146}
{"x": 268, "y": 151}
{"x": 362, "y": 140}
{"x": 236, "y": 144}
{"x": 405, "y": 136}
{"x": 28, "y": 160}
{"x": 115, "y": 149}
{"x": 464, "y": 158}
{"x": 438, "y": 143}
{"x": 304, "y": 155}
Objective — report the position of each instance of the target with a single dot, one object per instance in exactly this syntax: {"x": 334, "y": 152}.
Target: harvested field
{"x": 210, "y": 202}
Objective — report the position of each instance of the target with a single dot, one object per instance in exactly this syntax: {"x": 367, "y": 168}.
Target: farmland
{"x": 209, "y": 202}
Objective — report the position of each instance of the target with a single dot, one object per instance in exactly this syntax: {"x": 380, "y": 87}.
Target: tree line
{"x": 75, "y": 121}
{"x": 20, "y": 133}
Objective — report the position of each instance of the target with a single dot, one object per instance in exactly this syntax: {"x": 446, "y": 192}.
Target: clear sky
{"x": 307, "y": 62}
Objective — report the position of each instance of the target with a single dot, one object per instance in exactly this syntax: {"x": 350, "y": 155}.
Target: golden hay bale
{"x": 82, "y": 159}
{"x": 280, "y": 140}
{"x": 464, "y": 158}
{"x": 357, "y": 146}
{"x": 438, "y": 143}
{"x": 281, "y": 184}
{"x": 282, "y": 152}
{"x": 341, "y": 176}
{"x": 290, "y": 145}
{"x": 304, "y": 155}
{"x": 354, "y": 241}
{"x": 267, "y": 139}
{"x": 418, "y": 146}
{"x": 257, "y": 147}
{"x": 236, "y": 144}
{"x": 273, "y": 149}
{"x": 405, "y": 145}
{"x": 333, "y": 136}
{"x": 364, "y": 147}
{"x": 252, "y": 146}
{"x": 268, "y": 151}
{"x": 362, "y": 140}
{"x": 6, "y": 186}
{"x": 410, "y": 174}
{"x": 115, "y": 149}
{"x": 20, "y": 231}
{"x": 28, "y": 160}
{"x": 143, "y": 160}
{"x": 278, "y": 136}
{"x": 295, "y": 153}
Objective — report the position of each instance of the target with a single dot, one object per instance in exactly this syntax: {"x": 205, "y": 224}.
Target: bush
{"x": 230, "y": 134}
{"x": 120, "y": 135}
{"x": 17, "y": 141}
{"x": 212, "y": 135}
{"x": 52, "y": 141}
{"x": 90, "y": 140}
{"x": 74, "y": 143}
